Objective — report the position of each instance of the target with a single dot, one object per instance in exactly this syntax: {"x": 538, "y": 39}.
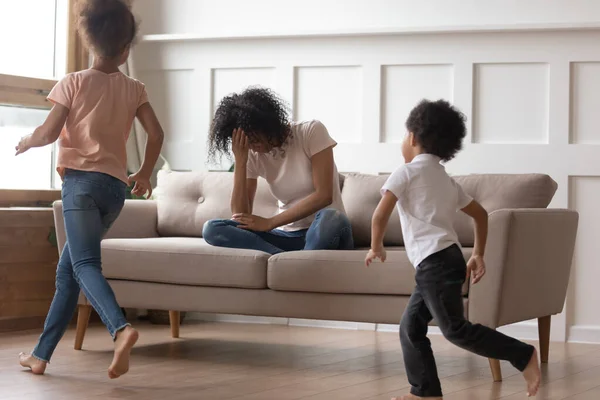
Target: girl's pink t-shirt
{"x": 101, "y": 110}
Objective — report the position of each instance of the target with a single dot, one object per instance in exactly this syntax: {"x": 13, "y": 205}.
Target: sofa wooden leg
{"x": 496, "y": 370}
{"x": 174, "y": 320}
{"x": 544, "y": 335}
{"x": 83, "y": 318}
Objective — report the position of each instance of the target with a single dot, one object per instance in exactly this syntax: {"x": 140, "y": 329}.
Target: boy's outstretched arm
{"x": 476, "y": 265}
{"x": 379, "y": 222}
{"x": 48, "y": 132}
{"x": 149, "y": 121}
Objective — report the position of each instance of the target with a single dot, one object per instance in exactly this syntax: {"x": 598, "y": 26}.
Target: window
{"x": 34, "y": 48}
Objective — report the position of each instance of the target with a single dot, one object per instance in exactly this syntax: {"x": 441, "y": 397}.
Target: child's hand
{"x": 23, "y": 145}
{"x": 142, "y": 184}
{"x": 375, "y": 253}
{"x": 475, "y": 269}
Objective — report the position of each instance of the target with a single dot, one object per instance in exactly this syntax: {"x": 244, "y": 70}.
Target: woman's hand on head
{"x": 253, "y": 222}
{"x": 239, "y": 145}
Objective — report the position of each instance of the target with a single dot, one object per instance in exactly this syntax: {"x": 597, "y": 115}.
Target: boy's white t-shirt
{"x": 289, "y": 172}
{"x": 428, "y": 200}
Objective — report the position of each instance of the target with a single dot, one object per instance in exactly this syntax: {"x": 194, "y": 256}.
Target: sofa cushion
{"x": 343, "y": 272}
{"x": 186, "y": 200}
{"x": 361, "y": 194}
{"x": 494, "y": 192}
{"x": 499, "y": 192}
{"x": 185, "y": 261}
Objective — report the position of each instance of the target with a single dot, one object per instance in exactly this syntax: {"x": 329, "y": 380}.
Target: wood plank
{"x": 28, "y": 272}
{"x": 26, "y": 217}
{"x": 24, "y": 82}
{"x": 21, "y": 324}
{"x": 26, "y": 291}
{"x": 25, "y": 308}
{"x": 28, "y": 198}
{"x": 32, "y": 236}
{"x": 29, "y": 98}
{"x": 27, "y": 254}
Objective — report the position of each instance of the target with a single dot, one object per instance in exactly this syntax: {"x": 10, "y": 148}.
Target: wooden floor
{"x": 264, "y": 362}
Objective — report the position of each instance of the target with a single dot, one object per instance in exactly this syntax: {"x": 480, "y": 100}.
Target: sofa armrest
{"x": 528, "y": 258}
{"x": 138, "y": 219}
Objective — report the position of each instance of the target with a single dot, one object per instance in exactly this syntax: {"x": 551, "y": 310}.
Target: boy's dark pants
{"x": 438, "y": 295}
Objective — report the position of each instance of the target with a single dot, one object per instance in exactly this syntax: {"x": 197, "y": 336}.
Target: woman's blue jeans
{"x": 92, "y": 201}
{"x": 330, "y": 230}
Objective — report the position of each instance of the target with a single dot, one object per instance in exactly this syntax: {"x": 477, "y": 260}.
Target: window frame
{"x": 32, "y": 92}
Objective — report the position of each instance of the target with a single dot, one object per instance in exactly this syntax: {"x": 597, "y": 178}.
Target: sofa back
{"x": 361, "y": 194}
{"x": 186, "y": 200}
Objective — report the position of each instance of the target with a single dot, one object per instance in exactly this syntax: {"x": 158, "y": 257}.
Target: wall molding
{"x": 514, "y": 28}
{"x": 584, "y": 334}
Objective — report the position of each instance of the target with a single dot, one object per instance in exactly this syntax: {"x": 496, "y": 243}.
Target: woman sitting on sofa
{"x": 296, "y": 159}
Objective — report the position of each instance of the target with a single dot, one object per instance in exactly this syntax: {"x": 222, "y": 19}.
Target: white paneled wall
{"x": 511, "y": 103}
{"x": 429, "y": 81}
{"x": 532, "y": 100}
{"x": 585, "y": 89}
{"x": 318, "y": 88}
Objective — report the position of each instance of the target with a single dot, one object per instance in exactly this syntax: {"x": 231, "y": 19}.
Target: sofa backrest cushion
{"x": 186, "y": 200}
{"x": 494, "y": 192}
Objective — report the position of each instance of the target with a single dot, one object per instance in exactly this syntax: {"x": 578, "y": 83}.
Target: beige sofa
{"x": 154, "y": 257}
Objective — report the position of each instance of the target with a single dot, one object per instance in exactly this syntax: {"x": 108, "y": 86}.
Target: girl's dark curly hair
{"x": 106, "y": 26}
{"x": 258, "y": 111}
{"x": 438, "y": 127}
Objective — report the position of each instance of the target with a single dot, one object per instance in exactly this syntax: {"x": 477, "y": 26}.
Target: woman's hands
{"x": 239, "y": 145}
{"x": 253, "y": 222}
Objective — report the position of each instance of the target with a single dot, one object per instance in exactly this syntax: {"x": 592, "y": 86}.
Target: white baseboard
{"x": 355, "y": 326}
{"x": 584, "y": 334}
{"x": 239, "y": 319}
{"x": 524, "y": 330}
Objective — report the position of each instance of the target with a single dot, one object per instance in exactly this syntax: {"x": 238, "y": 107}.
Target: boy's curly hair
{"x": 439, "y": 128}
{"x": 106, "y": 26}
{"x": 257, "y": 111}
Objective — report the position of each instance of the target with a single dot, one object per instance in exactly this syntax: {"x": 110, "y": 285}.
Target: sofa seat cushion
{"x": 343, "y": 272}
{"x": 185, "y": 261}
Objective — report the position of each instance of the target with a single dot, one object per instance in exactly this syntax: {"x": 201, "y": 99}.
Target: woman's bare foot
{"x": 36, "y": 366}
{"x": 126, "y": 339}
{"x": 413, "y": 397}
{"x": 533, "y": 375}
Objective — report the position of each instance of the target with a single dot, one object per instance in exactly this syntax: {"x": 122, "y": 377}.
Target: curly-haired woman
{"x": 296, "y": 160}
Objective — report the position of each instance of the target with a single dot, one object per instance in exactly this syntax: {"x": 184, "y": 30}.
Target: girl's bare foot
{"x": 36, "y": 366}
{"x": 126, "y": 339}
{"x": 413, "y": 397}
{"x": 533, "y": 375}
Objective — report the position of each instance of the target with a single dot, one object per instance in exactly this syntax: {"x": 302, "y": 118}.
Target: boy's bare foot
{"x": 126, "y": 338}
{"x": 533, "y": 375}
{"x": 36, "y": 366}
{"x": 413, "y": 397}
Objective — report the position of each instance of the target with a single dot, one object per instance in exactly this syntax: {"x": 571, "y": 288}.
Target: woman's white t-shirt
{"x": 289, "y": 172}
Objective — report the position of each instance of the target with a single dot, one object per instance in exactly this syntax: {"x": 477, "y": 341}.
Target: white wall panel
{"x": 585, "y": 97}
{"x": 234, "y": 80}
{"x": 511, "y": 103}
{"x": 332, "y": 95}
{"x": 585, "y": 198}
{"x": 404, "y": 86}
